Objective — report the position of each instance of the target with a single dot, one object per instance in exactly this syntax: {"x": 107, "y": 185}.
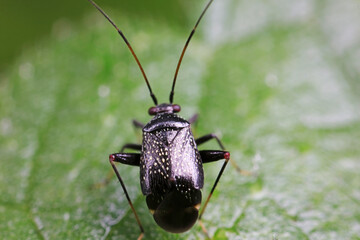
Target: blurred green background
{"x": 24, "y": 23}
{"x": 278, "y": 81}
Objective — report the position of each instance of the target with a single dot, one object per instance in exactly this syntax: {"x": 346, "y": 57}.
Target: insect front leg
{"x": 138, "y": 124}
{"x": 132, "y": 159}
{"x": 193, "y": 118}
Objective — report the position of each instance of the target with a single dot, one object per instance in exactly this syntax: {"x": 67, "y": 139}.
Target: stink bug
{"x": 171, "y": 171}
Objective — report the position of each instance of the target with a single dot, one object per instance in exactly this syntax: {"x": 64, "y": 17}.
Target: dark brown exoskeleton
{"x": 171, "y": 171}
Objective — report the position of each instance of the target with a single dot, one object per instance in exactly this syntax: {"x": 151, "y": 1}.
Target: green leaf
{"x": 278, "y": 81}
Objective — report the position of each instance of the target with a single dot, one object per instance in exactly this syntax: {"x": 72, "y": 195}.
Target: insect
{"x": 171, "y": 166}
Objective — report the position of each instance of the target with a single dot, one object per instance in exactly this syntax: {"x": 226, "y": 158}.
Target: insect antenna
{"x": 129, "y": 46}
{"x": 183, "y": 51}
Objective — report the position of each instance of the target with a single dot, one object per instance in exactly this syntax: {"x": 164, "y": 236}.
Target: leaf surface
{"x": 278, "y": 81}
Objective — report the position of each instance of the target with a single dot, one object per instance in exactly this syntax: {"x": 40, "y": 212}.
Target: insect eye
{"x": 176, "y": 108}
{"x": 153, "y": 110}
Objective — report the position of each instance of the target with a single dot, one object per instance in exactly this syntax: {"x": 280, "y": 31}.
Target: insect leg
{"x": 193, "y": 118}
{"x": 133, "y": 146}
{"x": 132, "y": 159}
{"x": 210, "y": 136}
{"x": 129, "y": 159}
{"x": 193, "y": 121}
{"x": 211, "y": 156}
{"x": 110, "y": 174}
{"x": 138, "y": 124}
